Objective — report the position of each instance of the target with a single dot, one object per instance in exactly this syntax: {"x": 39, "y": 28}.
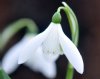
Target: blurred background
{"x": 41, "y": 11}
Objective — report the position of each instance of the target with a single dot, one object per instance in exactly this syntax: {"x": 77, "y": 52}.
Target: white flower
{"x": 54, "y": 43}
{"x": 36, "y": 61}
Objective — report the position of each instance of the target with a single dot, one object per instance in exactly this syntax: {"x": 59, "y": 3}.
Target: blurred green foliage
{"x": 3, "y": 75}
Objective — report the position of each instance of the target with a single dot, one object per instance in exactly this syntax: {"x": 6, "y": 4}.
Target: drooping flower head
{"x": 54, "y": 43}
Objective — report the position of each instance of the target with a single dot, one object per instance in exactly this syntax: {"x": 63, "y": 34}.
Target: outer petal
{"x": 38, "y": 63}
{"x": 31, "y": 46}
{"x": 70, "y": 51}
{"x": 10, "y": 59}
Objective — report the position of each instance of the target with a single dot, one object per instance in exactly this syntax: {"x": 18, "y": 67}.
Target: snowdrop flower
{"x": 36, "y": 62}
{"x": 54, "y": 43}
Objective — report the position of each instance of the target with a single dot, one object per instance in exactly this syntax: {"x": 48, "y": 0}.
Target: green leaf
{"x": 3, "y": 75}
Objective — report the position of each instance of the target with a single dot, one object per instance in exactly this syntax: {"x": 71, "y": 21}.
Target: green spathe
{"x": 56, "y": 17}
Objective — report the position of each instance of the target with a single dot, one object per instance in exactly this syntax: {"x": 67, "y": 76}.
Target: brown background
{"x": 88, "y": 14}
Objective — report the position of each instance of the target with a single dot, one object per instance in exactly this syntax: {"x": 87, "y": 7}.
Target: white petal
{"x": 31, "y": 46}
{"x": 10, "y": 59}
{"x": 71, "y": 52}
{"x": 37, "y": 63}
{"x": 51, "y": 45}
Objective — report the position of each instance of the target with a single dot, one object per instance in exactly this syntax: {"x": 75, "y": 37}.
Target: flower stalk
{"x": 73, "y": 23}
{"x": 74, "y": 33}
{"x": 13, "y": 28}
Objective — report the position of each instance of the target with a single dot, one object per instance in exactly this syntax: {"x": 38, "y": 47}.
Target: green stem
{"x": 70, "y": 72}
{"x": 75, "y": 34}
{"x": 13, "y": 28}
{"x": 73, "y": 23}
